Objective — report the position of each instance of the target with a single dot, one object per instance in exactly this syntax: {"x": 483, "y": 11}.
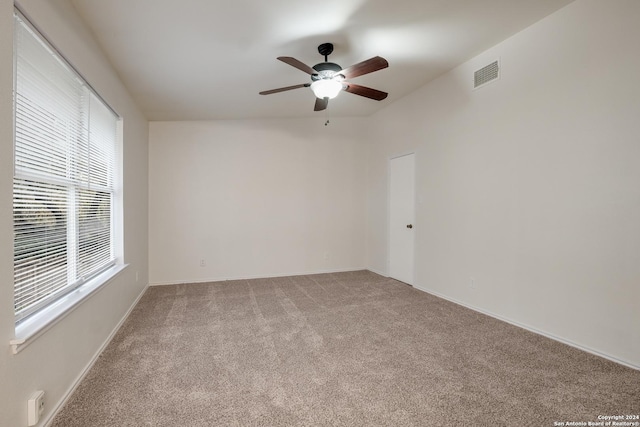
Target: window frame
{"x": 37, "y": 320}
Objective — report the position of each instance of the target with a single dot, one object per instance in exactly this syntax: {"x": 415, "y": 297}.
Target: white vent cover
{"x": 486, "y": 74}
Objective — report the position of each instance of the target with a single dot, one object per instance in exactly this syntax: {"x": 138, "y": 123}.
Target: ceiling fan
{"x": 328, "y": 79}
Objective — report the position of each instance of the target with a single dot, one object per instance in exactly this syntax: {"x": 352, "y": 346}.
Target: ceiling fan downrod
{"x": 325, "y": 70}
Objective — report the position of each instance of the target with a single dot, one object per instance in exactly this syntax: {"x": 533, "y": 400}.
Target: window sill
{"x": 31, "y": 328}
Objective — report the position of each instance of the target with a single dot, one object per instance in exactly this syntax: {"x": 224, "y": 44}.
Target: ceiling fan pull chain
{"x": 326, "y": 116}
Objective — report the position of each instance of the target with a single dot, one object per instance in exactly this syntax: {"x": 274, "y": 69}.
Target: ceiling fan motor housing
{"x": 326, "y": 70}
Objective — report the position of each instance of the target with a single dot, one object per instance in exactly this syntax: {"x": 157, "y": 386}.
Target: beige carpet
{"x": 347, "y": 349}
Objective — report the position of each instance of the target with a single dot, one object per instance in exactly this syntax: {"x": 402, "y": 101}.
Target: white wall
{"x": 531, "y": 183}
{"x": 255, "y": 198}
{"x": 55, "y": 360}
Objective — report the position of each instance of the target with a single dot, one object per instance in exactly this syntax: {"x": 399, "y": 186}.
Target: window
{"x": 66, "y": 139}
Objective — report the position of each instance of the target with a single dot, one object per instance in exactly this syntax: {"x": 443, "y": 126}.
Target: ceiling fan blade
{"x": 282, "y": 89}
{"x": 365, "y": 67}
{"x": 299, "y": 65}
{"x": 367, "y": 92}
{"x": 321, "y": 104}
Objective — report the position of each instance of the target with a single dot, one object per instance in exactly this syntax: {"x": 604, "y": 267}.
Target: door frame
{"x": 415, "y": 200}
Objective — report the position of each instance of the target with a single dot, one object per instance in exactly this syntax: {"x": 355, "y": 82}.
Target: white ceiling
{"x": 208, "y": 59}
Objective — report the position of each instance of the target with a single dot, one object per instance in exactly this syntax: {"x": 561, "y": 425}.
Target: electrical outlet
{"x": 35, "y": 407}
{"x": 472, "y": 282}
{"x": 203, "y": 263}
{"x": 137, "y": 276}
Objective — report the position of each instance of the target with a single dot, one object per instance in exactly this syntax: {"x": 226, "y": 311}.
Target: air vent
{"x": 486, "y": 74}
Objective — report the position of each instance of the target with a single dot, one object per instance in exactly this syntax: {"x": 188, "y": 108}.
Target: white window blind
{"x": 63, "y": 190}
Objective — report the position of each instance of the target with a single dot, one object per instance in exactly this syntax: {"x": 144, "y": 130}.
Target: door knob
{"x": 409, "y": 225}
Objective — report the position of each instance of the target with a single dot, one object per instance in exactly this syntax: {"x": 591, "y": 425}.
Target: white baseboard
{"x": 257, "y": 276}
{"x": 49, "y": 418}
{"x": 532, "y": 329}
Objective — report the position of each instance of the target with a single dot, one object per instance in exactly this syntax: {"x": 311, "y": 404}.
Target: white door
{"x": 401, "y": 217}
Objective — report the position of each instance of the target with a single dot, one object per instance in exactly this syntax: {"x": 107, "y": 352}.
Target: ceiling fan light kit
{"x": 326, "y": 88}
{"x": 329, "y": 79}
